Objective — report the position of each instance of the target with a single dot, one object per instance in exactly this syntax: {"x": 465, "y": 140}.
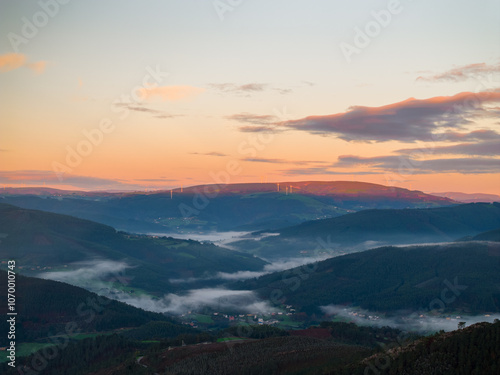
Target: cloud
{"x": 216, "y": 298}
{"x": 140, "y": 108}
{"x": 283, "y": 91}
{"x": 38, "y": 67}
{"x": 98, "y": 275}
{"x": 249, "y": 118}
{"x": 406, "y": 121}
{"x": 238, "y": 89}
{"x": 90, "y": 274}
{"x": 258, "y": 129}
{"x": 213, "y": 153}
{"x": 408, "y": 165}
{"x": 283, "y": 161}
{"x": 246, "y": 89}
{"x": 476, "y": 135}
{"x": 266, "y": 160}
{"x": 170, "y": 93}
{"x": 463, "y": 73}
{"x": 12, "y": 61}
{"x": 322, "y": 171}
{"x": 416, "y": 322}
{"x": 155, "y": 179}
{"x": 38, "y": 178}
{"x": 257, "y": 123}
{"x": 275, "y": 266}
{"x": 490, "y": 148}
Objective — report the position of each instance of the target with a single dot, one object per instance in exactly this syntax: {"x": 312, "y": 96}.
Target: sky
{"x": 132, "y": 95}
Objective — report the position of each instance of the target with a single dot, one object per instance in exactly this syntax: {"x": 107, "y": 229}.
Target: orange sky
{"x": 264, "y": 92}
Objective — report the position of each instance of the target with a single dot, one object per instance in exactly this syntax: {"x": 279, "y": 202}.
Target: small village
{"x": 224, "y": 319}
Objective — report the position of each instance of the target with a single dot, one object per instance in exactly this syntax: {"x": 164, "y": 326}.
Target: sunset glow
{"x": 132, "y": 96}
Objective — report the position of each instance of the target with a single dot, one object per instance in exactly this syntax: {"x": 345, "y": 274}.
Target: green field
{"x": 204, "y": 319}
{"x": 25, "y": 349}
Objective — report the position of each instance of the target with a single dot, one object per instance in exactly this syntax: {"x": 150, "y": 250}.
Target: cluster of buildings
{"x": 253, "y": 318}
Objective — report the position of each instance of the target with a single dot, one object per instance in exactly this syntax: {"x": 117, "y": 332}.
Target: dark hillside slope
{"x": 45, "y": 241}
{"x": 46, "y": 307}
{"x": 392, "y": 279}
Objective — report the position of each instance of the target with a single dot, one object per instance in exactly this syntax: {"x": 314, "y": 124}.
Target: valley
{"x": 208, "y": 294}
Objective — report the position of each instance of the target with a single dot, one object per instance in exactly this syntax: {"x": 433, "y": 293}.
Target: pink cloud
{"x": 38, "y": 67}
{"x": 12, "y": 61}
{"x": 407, "y": 121}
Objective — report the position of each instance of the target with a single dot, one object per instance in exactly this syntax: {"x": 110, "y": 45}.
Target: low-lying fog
{"x": 95, "y": 275}
{"x": 406, "y": 321}
{"x": 216, "y": 237}
{"x": 273, "y": 266}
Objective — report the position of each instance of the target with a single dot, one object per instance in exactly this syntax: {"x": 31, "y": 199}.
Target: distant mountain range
{"x": 469, "y": 197}
{"x": 243, "y": 207}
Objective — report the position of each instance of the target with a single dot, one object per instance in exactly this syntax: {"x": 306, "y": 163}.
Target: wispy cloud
{"x": 283, "y": 161}
{"x": 255, "y": 123}
{"x": 140, "y": 108}
{"x": 95, "y": 275}
{"x": 246, "y": 89}
{"x": 250, "y": 118}
{"x": 406, "y": 121}
{"x": 213, "y": 153}
{"x": 38, "y": 178}
{"x": 410, "y": 165}
{"x": 238, "y": 89}
{"x": 155, "y": 180}
{"x": 485, "y": 148}
{"x": 91, "y": 274}
{"x": 463, "y": 73}
{"x": 267, "y": 160}
{"x": 170, "y": 93}
{"x": 419, "y": 322}
{"x": 476, "y": 135}
{"x": 275, "y": 266}
{"x": 12, "y": 61}
{"x": 217, "y": 298}
{"x": 322, "y": 171}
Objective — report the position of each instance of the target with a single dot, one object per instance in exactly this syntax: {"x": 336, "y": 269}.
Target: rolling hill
{"x": 221, "y": 207}
{"x": 46, "y": 242}
{"x": 472, "y": 350}
{"x": 45, "y": 308}
{"x": 492, "y": 235}
{"x": 370, "y": 228}
{"x": 469, "y": 197}
{"x": 389, "y": 279}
